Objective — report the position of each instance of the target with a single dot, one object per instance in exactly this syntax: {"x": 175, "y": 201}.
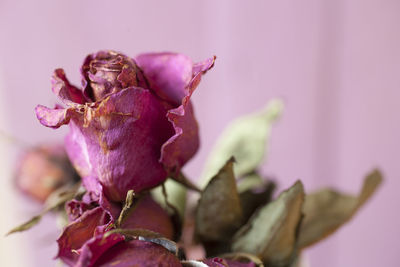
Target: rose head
{"x": 82, "y": 240}
{"x": 43, "y": 169}
{"x": 107, "y": 72}
{"x": 133, "y": 124}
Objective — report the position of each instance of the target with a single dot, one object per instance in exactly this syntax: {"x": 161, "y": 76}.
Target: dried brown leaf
{"x": 271, "y": 232}
{"x": 219, "y": 212}
{"x": 326, "y": 210}
{"x": 254, "y": 197}
{"x": 54, "y": 201}
{"x": 27, "y": 225}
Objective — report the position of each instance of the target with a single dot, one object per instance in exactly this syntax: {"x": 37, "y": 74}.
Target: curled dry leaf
{"x": 219, "y": 212}
{"x": 326, "y": 210}
{"x": 271, "y": 232}
{"x": 245, "y": 139}
{"x": 56, "y": 199}
{"x": 254, "y": 193}
{"x": 27, "y": 225}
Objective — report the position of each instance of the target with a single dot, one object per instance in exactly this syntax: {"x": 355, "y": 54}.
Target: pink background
{"x": 336, "y": 64}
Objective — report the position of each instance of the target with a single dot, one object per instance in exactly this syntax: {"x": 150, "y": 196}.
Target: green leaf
{"x": 219, "y": 213}
{"x": 245, "y": 139}
{"x": 250, "y": 181}
{"x": 271, "y": 232}
{"x": 176, "y": 196}
{"x": 326, "y": 210}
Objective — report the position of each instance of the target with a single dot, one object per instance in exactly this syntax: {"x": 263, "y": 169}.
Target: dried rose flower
{"x": 133, "y": 125}
{"x": 43, "y": 169}
{"x": 89, "y": 222}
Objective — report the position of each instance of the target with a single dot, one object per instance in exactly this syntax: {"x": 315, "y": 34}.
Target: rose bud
{"x": 89, "y": 222}
{"x": 42, "y": 170}
{"x": 108, "y": 72}
{"x": 133, "y": 125}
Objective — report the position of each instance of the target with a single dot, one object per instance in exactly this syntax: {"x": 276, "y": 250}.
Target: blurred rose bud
{"x": 42, "y": 170}
{"x": 133, "y": 125}
{"x": 89, "y": 222}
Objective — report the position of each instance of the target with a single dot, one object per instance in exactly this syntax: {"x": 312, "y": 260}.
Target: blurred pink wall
{"x": 336, "y": 64}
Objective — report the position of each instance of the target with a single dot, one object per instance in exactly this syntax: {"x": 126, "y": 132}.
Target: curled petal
{"x": 199, "y": 69}
{"x": 95, "y": 247}
{"x": 64, "y": 90}
{"x": 107, "y": 72}
{"x": 168, "y": 74}
{"x": 78, "y": 232}
{"x": 53, "y": 118}
{"x": 184, "y": 143}
{"x": 75, "y": 209}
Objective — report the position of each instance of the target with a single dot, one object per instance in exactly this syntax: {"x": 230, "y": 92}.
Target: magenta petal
{"x": 95, "y": 247}
{"x": 63, "y": 89}
{"x": 137, "y": 253}
{"x": 220, "y": 262}
{"x": 119, "y": 144}
{"x": 149, "y": 215}
{"x": 167, "y": 73}
{"x": 184, "y": 144}
{"x": 53, "y": 118}
{"x": 76, "y": 209}
{"x": 203, "y": 66}
{"x": 107, "y": 72}
{"x": 77, "y": 233}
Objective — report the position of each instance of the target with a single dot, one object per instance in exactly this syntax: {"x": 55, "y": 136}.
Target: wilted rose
{"x": 89, "y": 223}
{"x": 43, "y": 169}
{"x": 133, "y": 124}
